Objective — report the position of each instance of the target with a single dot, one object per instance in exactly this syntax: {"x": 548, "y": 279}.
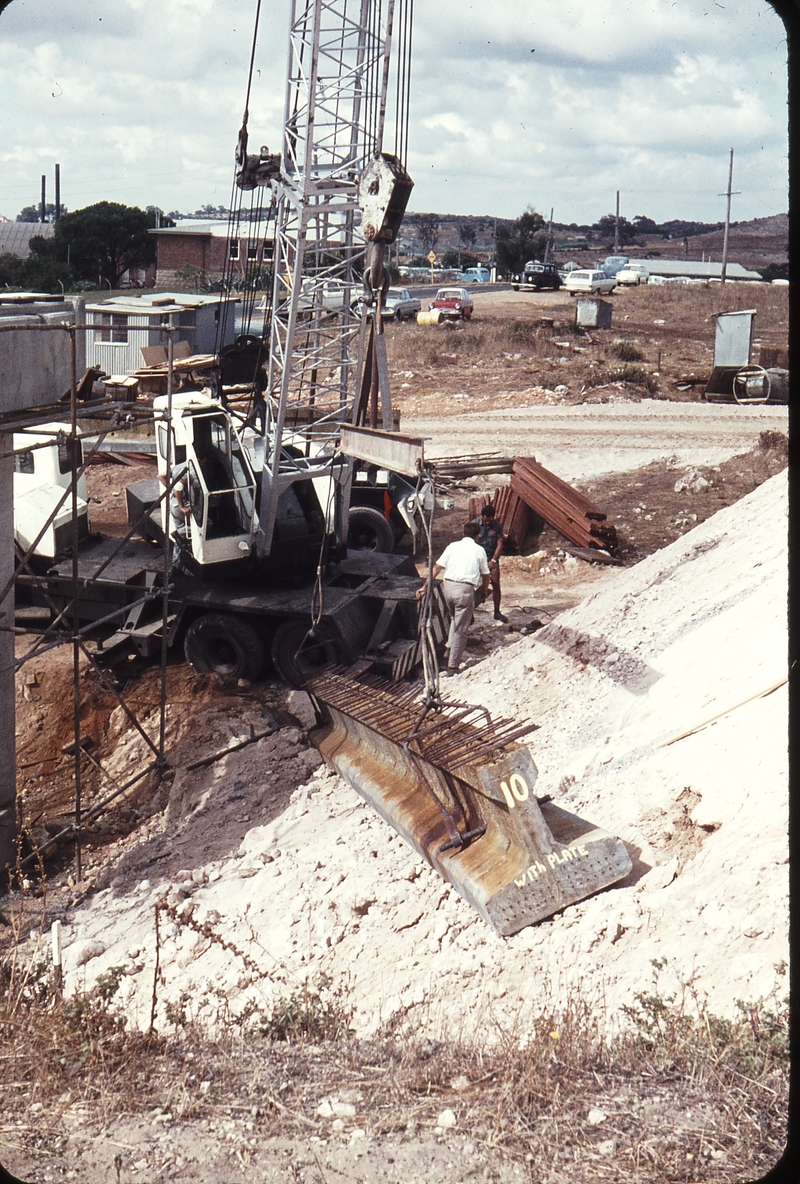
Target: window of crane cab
{"x": 210, "y": 432}
{"x": 178, "y": 454}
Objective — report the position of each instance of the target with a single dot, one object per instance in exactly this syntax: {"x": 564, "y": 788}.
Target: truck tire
{"x": 368, "y": 530}
{"x": 318, "y": 652}
{"x": 219, "y": 643}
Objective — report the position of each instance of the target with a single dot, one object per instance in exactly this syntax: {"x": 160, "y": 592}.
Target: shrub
{"x": 626, "y": 352}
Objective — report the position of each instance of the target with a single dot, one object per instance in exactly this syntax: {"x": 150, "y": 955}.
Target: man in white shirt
{"x": 466, "y": 570}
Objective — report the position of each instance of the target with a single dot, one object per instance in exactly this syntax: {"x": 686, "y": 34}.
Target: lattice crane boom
{"x": 324, "y": 361}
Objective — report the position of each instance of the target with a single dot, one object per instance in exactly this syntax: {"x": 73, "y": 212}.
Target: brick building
{"x": 204, "y": 245}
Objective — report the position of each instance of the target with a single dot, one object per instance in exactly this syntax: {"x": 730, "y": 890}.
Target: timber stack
{"x": 561, "y": 506}
{"x": 449, "y": 470}
{"x": 511, "y": 511}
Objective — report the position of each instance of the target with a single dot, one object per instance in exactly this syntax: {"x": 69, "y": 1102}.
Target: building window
{"x": 266, "y": 251}
{"x": 252, "y": 250}
{"x": 112, "y": 327}
{"x": 233, "y": 249}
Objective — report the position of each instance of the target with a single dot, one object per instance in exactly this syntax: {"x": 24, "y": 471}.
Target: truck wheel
{"x": 218, "y": 643}
{"x": 318, "y": 652}
{"x": 368, "y": 530}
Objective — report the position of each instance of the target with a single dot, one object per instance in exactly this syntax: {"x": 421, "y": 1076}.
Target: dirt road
{"x": 588, "y": 441}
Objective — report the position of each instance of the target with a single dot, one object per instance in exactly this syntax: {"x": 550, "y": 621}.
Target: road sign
{"x": 431, "y": 258}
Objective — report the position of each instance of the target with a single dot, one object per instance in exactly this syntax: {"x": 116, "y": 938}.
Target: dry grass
{"x": 518, "y": 345}
{"x": 679, "y": 1094}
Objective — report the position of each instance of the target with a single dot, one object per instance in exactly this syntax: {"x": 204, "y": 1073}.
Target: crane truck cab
{"x": 200, "y": 441}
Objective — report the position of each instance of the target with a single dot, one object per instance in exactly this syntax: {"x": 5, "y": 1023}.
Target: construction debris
{"x": 562, "y": 507}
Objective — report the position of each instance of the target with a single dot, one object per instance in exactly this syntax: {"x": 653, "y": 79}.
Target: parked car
{"x": 614, "y": 263}
{"x": 633, "y": 273}
{"x": 400, "y": 304}
{"x": 537, "y": 276}
{"x": 593, "y": 282}
{"x": 454, "y": 303}
{"x": 475, "y": 275}
{"x": 330, "y": 296}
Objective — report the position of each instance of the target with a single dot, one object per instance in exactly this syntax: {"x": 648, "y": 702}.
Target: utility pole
{"x": 43, "y": 206}
{"x": 549, "y": 237}
{"x": 616, "y": 228}
{"x": 729, "y": 194}
{"x": 57, "y": 213}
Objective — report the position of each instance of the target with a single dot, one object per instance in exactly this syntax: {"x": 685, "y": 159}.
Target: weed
{"x": 634, "y": 375}
{"x": 316, "y": 1012}
{"x": 522, "y": 332}
{"x": 771, "y": 441}
{"x": 626, "y": 352}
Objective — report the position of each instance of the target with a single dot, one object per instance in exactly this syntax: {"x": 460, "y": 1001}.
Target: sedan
{"x": 400, "y": 304}
{"x": 593, "y": 282}
{"x": 453, "y": 303}
{"x": 634, "y": 273}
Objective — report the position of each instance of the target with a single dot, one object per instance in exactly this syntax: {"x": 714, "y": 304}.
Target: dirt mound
{"x": 661, "y": 702}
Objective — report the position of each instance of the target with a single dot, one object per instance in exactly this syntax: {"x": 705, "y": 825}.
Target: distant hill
{"x": 755, "y": 243}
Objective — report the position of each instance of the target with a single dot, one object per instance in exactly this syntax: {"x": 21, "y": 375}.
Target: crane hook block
{"x": 384, "y": 188}
{"x": 253, "y": 170}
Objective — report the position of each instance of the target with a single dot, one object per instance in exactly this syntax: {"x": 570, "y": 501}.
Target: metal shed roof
{"x": 695, "y": 268}
{"x": 218, "y": 227}
{"x": 156, "y": 302}
{"x": 15, "y": 237}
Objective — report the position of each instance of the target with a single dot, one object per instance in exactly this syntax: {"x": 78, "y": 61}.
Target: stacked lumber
{"x": 447, "y": 470}
{"x": 510, "y": 510}
{"x": 561, "y": 506}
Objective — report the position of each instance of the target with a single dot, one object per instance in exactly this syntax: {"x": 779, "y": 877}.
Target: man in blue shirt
{"x": 490, "y": 537}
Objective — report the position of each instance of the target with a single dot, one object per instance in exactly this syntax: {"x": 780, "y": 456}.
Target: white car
{"x": 593, "y": 282}
{"x": 325, "y": 296}
{"x": 634, "y": 273}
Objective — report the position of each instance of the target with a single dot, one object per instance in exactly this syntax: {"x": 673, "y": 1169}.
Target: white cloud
{"x": 141, "y": 102}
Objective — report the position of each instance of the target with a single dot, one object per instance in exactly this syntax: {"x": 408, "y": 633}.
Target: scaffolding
{"x": 65, "y": 627}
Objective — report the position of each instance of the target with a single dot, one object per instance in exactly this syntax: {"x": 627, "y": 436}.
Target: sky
{"x": 515, "y": 104}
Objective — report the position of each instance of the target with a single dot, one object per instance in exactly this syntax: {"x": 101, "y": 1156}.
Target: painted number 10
{"x": 515, "y": 790}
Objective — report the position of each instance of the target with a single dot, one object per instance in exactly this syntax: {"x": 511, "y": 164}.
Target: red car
{"x": 454, "y": 303}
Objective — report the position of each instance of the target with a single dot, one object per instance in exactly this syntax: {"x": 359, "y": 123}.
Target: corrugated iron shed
{"x": 15, "y": 237}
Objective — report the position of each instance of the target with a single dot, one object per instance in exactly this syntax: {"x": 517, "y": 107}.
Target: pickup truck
{"x": 454, "y": 303}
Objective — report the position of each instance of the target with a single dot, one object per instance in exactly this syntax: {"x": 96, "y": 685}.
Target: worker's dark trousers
{"x": 461, "y": 602}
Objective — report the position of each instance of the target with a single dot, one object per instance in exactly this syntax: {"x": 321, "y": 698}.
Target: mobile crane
{"x": 455, "y": 783}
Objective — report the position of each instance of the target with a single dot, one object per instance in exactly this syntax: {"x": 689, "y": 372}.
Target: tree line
{"x": 90, "y": 248}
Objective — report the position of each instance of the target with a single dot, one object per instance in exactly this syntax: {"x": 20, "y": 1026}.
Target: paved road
{"x": 591, "y": 440}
